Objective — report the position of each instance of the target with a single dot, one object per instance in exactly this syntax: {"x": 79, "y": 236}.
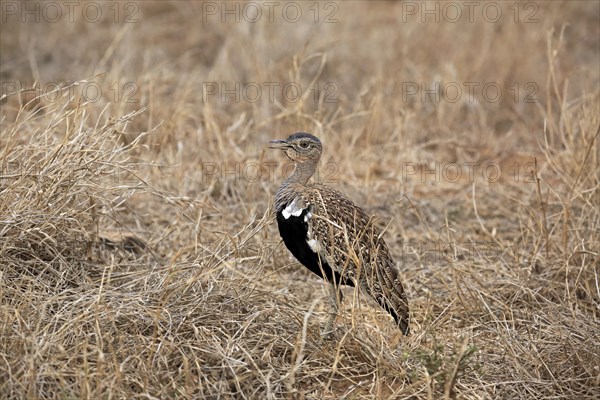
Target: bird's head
{"x": 300, "y": 147}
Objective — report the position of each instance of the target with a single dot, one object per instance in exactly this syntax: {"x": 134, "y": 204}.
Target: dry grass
{"x": 128, "y": 270}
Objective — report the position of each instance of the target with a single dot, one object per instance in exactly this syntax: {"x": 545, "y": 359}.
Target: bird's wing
{"x": 341, "y": 228}
{"x": 351, "y": 240}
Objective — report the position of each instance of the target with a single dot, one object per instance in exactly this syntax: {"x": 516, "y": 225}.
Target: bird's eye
{"x": 304, "y": 145}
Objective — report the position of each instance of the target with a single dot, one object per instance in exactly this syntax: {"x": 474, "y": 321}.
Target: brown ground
{"x": 139, "y": 258}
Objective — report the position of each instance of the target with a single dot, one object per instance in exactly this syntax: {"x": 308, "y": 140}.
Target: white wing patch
{"x": 314, "y": 245}
{"x": 308, "y": 215}
{"x": 294, "y": 208}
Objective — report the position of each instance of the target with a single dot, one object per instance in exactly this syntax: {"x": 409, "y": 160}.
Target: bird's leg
{"x": 335, "y": 299}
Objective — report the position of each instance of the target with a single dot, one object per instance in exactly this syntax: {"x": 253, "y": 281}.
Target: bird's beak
{"x": 278, "y": 144}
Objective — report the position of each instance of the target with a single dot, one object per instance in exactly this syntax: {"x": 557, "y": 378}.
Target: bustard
{"x": 332, "y": 236}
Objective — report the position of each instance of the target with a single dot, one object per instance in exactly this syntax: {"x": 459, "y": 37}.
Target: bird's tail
{"x": 394, "y": 301}
{"x": 392, "y": 297}
{"x": 382, "y": 281}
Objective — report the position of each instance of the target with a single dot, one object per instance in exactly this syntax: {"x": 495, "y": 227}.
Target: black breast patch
{"x": 294, "y": 232}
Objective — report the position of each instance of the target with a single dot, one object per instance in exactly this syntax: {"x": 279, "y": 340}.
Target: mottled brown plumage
{"x": 326, "y": 230}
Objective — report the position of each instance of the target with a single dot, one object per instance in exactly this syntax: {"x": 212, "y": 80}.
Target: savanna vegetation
{"x": 139, "y": 257}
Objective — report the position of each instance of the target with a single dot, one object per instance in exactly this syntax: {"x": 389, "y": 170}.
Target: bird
{"x": 333, "y": 237}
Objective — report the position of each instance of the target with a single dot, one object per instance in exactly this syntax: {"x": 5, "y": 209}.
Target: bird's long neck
{"x": 302, "y": 173}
